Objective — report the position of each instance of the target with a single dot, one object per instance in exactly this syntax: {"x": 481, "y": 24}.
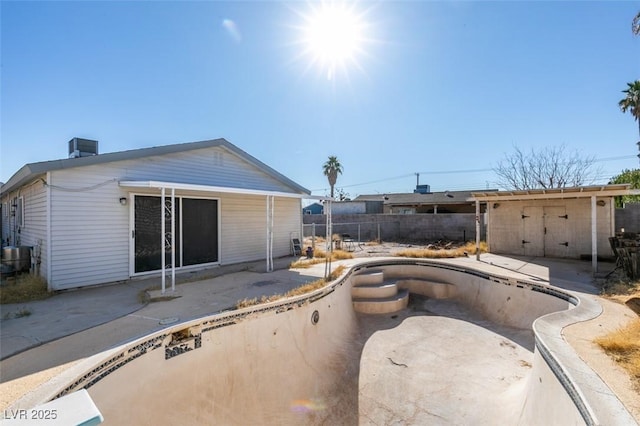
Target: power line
{"x": 462, "y": 171}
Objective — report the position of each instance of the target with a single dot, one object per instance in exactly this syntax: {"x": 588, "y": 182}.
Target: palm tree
{"x": 331, "y": 169}
{"x": 631, "y": 102}
{"x": 635, "y": 24}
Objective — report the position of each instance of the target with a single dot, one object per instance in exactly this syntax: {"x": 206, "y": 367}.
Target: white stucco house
{"x": 94, "y": 219}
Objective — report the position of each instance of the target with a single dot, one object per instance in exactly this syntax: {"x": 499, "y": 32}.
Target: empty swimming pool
{"x": 471, "y": 347}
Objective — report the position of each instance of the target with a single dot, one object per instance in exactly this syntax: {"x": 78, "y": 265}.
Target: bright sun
{"x": 333, "y": 36}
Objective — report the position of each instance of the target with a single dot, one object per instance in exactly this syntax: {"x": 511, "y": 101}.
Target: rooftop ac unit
{"x": 79, "y": 147}
{"x": 422, "y": 189}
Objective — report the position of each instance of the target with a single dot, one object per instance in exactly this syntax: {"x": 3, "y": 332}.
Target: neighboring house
{"x": 560, "y": 222}
{"x": 430, "y": 202}
{"x": 315, "y": 208}
{"x": 97, "y": 219}
{"x": 356, "y": 207}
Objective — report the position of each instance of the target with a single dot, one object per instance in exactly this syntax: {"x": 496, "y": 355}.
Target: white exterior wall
{"x": 506, "y": 228}
{"x": 89, "y": 228}
{"x": 91, "y": 232}
{"x": 243, "y": 227}
{"x": 34, "y": 231}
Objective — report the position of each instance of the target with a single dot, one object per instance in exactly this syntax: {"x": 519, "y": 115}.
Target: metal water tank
{"x": 18, "y": 258}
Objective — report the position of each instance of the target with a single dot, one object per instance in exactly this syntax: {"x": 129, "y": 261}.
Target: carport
{"x": 571, "y": 222}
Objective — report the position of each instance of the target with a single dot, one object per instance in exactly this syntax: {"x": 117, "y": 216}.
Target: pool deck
{"x": 69, "y": 327}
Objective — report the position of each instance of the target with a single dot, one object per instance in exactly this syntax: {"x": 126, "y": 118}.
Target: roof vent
{"x": 422, "y": 189}
{"x": 79, "y": 147}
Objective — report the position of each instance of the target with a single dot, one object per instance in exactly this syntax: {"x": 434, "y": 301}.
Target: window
{"x": 19, "y": 203}
{"x": 5, "y": 211}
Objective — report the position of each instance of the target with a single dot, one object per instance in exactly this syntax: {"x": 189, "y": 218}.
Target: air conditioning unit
{"x": 422, "y": 189}
{"x": 79, "y": 147}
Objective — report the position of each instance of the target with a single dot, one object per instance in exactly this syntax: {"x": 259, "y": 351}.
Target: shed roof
{"x": 556, "y": 193}
{"x": 32, "y": 170}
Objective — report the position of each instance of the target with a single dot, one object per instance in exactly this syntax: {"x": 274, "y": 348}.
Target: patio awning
{"x": 168, "y": 190}
{"x": 154, "y": 184}
{"x": 556, "y": 193}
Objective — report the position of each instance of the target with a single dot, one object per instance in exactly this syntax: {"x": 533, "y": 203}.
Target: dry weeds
{"x": 623, "y": 345}
{"x": 23, "y": 288}
{"x": 320, "y": 256}
{"x": 440, "y": 253}
{"x": 298, "y": 291}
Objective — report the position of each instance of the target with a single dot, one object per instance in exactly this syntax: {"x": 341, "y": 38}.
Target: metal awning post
{"x": 594, "y": 236}
{"x": 329, "y": 227}
{"x": 477, "y": 229}
{"x": 173, "y": 239}
{"x": 270, "y": 213}
{"x": 162, "y": 228}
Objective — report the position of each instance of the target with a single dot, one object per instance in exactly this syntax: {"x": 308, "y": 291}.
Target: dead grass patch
{"x": 320, "y": 256}
{"x": 623, "y": 346}
{"x": 24, "y": 288}
{"x": 298, "y": 291}
{"x": 464, "y": 250}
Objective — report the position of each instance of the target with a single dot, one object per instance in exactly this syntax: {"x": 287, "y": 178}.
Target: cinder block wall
{"x": 628, "y": 218}
{"x": 399, "y": 227}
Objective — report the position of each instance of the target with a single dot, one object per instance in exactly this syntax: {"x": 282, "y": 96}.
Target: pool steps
{"x": 371, "y": 294}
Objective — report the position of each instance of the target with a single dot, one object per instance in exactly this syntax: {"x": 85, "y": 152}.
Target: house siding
{"x": 34, "y": 231}
{"x": 91, "y": 230}
{"x": 244, "y": 222}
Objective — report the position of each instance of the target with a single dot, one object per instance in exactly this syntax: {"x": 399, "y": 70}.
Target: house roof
{"x": 557, "y": 193}
{"x": 410, "y": 199}
{"x": 32, "y": 170}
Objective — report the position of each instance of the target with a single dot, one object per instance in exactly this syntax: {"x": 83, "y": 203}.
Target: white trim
{"x": 182, "y": 267}
{"x": 210, "y": 188}
{"x": 132, "y": 240}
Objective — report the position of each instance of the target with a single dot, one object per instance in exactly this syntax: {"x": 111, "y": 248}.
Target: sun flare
{"x": 333, "y": 36}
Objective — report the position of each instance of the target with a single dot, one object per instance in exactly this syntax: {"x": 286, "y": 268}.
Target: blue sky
{"x": 439, "y": 88}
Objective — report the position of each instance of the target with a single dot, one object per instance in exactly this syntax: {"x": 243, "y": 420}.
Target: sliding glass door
{"x": 196, "y": 232}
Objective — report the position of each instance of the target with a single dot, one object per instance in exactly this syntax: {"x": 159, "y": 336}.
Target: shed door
{"x": 555, "y": 232}
{"x": 533, "y": 223}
